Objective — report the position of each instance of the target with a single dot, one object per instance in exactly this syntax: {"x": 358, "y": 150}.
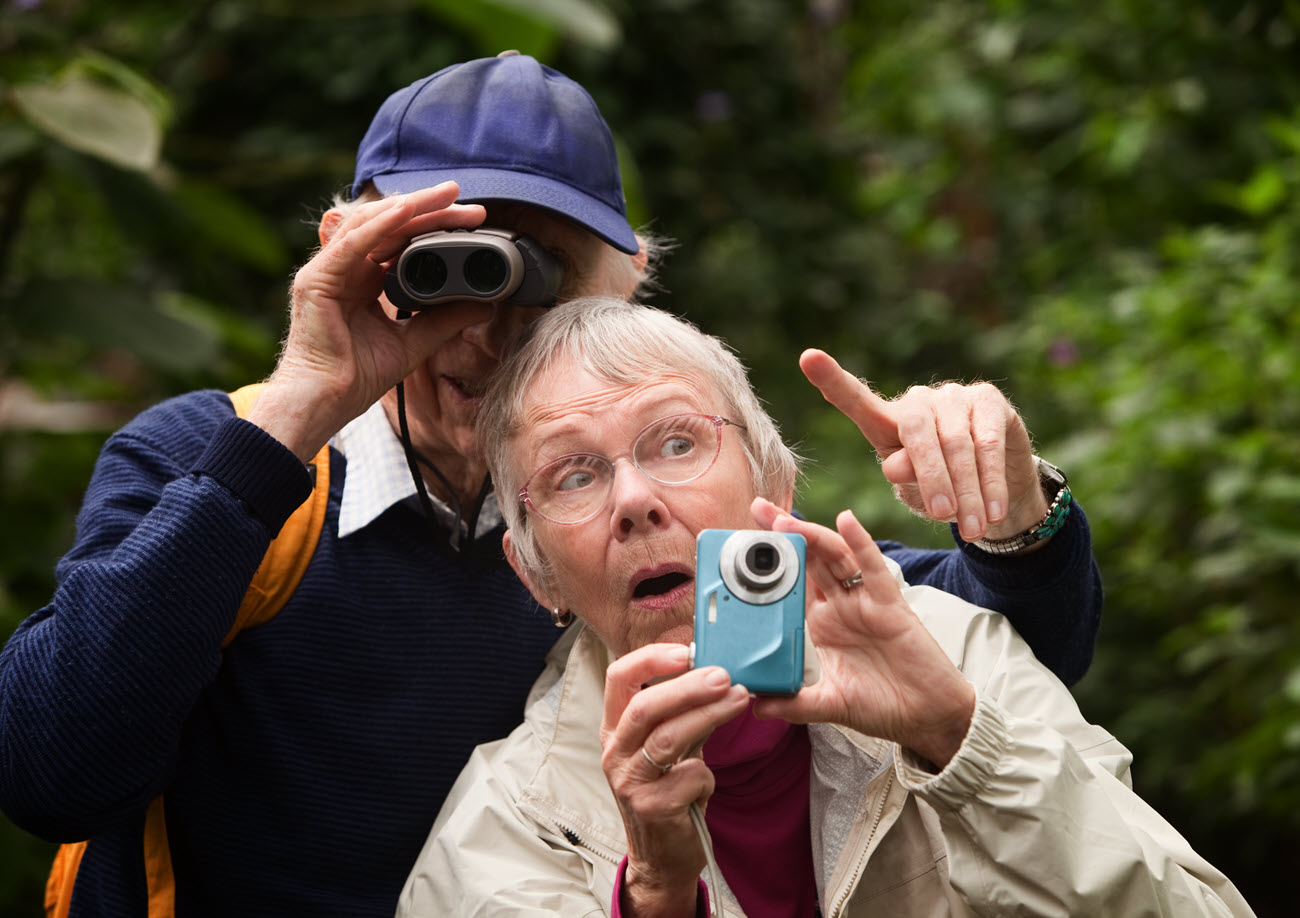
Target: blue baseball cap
{"x": 505, "y": 128}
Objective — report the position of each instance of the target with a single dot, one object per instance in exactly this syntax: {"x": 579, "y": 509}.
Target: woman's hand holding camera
{"x": 882, "y": 673}
{"x": 344, "y": 349}
{"x": 646, "y": 733}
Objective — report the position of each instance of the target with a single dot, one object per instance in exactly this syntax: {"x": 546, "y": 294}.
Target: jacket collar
{"x": 568, "y": 790}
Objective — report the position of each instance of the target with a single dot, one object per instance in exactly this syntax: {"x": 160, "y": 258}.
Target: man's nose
{"x": 636, "y": 502}
{"x": 491, "y": 334}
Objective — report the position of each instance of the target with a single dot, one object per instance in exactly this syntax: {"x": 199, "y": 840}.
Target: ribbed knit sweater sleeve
{"x": 1053, "y": 596}
{"x": 95, "y": 686}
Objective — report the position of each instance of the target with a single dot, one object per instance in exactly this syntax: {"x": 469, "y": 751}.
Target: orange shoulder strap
{"x": 63, "y": 874}
{"x": 282, "y": 567}
{"x": 159, "y": 879}
{"x": 286, "y": 560}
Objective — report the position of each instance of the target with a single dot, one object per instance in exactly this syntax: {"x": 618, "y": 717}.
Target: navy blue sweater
{"x": 303, "y": 766}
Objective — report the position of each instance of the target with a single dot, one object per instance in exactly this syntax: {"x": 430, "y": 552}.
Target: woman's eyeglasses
{"x": 672, "y": 451}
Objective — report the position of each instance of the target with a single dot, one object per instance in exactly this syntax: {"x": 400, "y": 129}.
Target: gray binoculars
{"x": 497, "y": 266}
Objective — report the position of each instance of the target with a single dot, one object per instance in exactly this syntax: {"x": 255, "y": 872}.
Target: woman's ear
{"x": 329, "y": 224}
{"x": 543, "y": 599}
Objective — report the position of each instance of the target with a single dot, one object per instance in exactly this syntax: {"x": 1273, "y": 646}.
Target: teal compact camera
{"x": 749, "y": 607}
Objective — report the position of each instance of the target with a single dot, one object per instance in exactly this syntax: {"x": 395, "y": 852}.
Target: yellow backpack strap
{"x": 159, "y": 879}
{"x": 277, "y": 577}
{"x": 290, "y": 552}
{"x": 63, "y": 874}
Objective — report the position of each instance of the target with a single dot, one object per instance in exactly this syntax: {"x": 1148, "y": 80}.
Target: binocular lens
{"x": 425, "y": 273}
{"x": 486, "y": 270}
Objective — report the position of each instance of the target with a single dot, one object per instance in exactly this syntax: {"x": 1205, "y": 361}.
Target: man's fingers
{"x": 992, "y": 417}
{"x": 871, "y": 413}
{"x": 454, "y": 216}
{"x": 377, "y": 229}
{"x": 959, "y": 479}
{"x": 919, "y": 435}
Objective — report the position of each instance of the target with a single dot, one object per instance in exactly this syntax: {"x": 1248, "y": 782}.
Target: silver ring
{"x": 852, "y": 580}
{"x": 663, "y": 769}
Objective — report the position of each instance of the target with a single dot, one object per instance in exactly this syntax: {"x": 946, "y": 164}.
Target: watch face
{"x": 1049, "y": 475}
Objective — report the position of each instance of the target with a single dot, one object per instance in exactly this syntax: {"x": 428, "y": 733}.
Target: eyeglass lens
{"x": 672, "y": 450}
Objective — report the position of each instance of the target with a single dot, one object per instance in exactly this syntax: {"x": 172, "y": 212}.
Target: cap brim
{"x": 478, "y": 185}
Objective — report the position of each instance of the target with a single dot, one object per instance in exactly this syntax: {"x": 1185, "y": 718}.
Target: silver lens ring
{"x": 758, "y": 588}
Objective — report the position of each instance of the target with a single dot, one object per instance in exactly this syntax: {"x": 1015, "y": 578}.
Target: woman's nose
{"x": 635, "y": 501}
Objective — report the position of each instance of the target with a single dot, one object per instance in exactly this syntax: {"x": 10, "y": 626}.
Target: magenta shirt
{"x": 759, "y": 817}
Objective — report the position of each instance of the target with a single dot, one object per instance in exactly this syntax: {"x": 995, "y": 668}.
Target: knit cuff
{"x": 257, "y": 468}
{"x": 1058, "y": 557}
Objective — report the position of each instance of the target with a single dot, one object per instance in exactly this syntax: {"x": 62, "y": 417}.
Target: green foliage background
{"x": 1095, "y": 205}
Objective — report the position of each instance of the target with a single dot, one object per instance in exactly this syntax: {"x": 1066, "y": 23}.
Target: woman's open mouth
{"x": 663, "y": 589}
{"x": 656, "y": 586}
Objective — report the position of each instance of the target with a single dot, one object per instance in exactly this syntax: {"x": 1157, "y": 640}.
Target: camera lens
{"x": 486, "y": 270}
{"x": 759, "y": 568}
{"x": 762, "y": 559}
{"x": 424, "y": 273}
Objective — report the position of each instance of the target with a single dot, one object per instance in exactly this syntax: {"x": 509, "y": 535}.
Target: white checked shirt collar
{"x": 378, "y": 476}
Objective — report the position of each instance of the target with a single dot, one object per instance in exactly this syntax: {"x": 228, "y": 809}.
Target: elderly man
{"x": 203, "y": 766}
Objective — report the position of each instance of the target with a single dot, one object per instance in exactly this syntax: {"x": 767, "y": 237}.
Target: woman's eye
{"x": 576, "y": 480}
{"x": 577, "y": 472}
{"x": 676, "y": 446}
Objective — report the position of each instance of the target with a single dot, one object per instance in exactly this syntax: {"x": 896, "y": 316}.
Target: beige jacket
{"x": 1033, "y": 816}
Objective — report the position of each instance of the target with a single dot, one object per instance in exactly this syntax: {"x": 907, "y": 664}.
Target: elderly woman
{"x": 933, "y": 768}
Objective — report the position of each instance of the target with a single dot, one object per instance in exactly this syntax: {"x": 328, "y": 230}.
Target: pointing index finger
{"x": 871, "y": 413}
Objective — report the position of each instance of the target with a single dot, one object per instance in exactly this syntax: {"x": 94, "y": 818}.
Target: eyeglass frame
{"x": 717, "y": 420}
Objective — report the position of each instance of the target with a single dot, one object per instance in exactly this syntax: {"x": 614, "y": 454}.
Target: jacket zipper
{"x": 838, "y": 907}
{"x": 575, "y": 839}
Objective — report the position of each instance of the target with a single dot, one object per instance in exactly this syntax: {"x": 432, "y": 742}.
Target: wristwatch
{"x": 1059, "y": 499}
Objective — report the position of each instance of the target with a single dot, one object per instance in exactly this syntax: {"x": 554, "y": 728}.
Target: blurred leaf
{"x": 229, "y": 223}
{"x": 95, "y": 119}
{"x": 499, "y": 27}
{"x": 113, "y": 316}
{"x": 583, "y": 21}
{"x": 16, "y": 140}
{"x": 1291, "y": 687}
{"x": 95, "y": 66}
{"x": 1263, "y": 192}
{"x": 331, "y": 9}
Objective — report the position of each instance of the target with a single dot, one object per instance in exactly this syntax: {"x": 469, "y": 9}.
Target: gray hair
{"x": 626, "y": 344}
